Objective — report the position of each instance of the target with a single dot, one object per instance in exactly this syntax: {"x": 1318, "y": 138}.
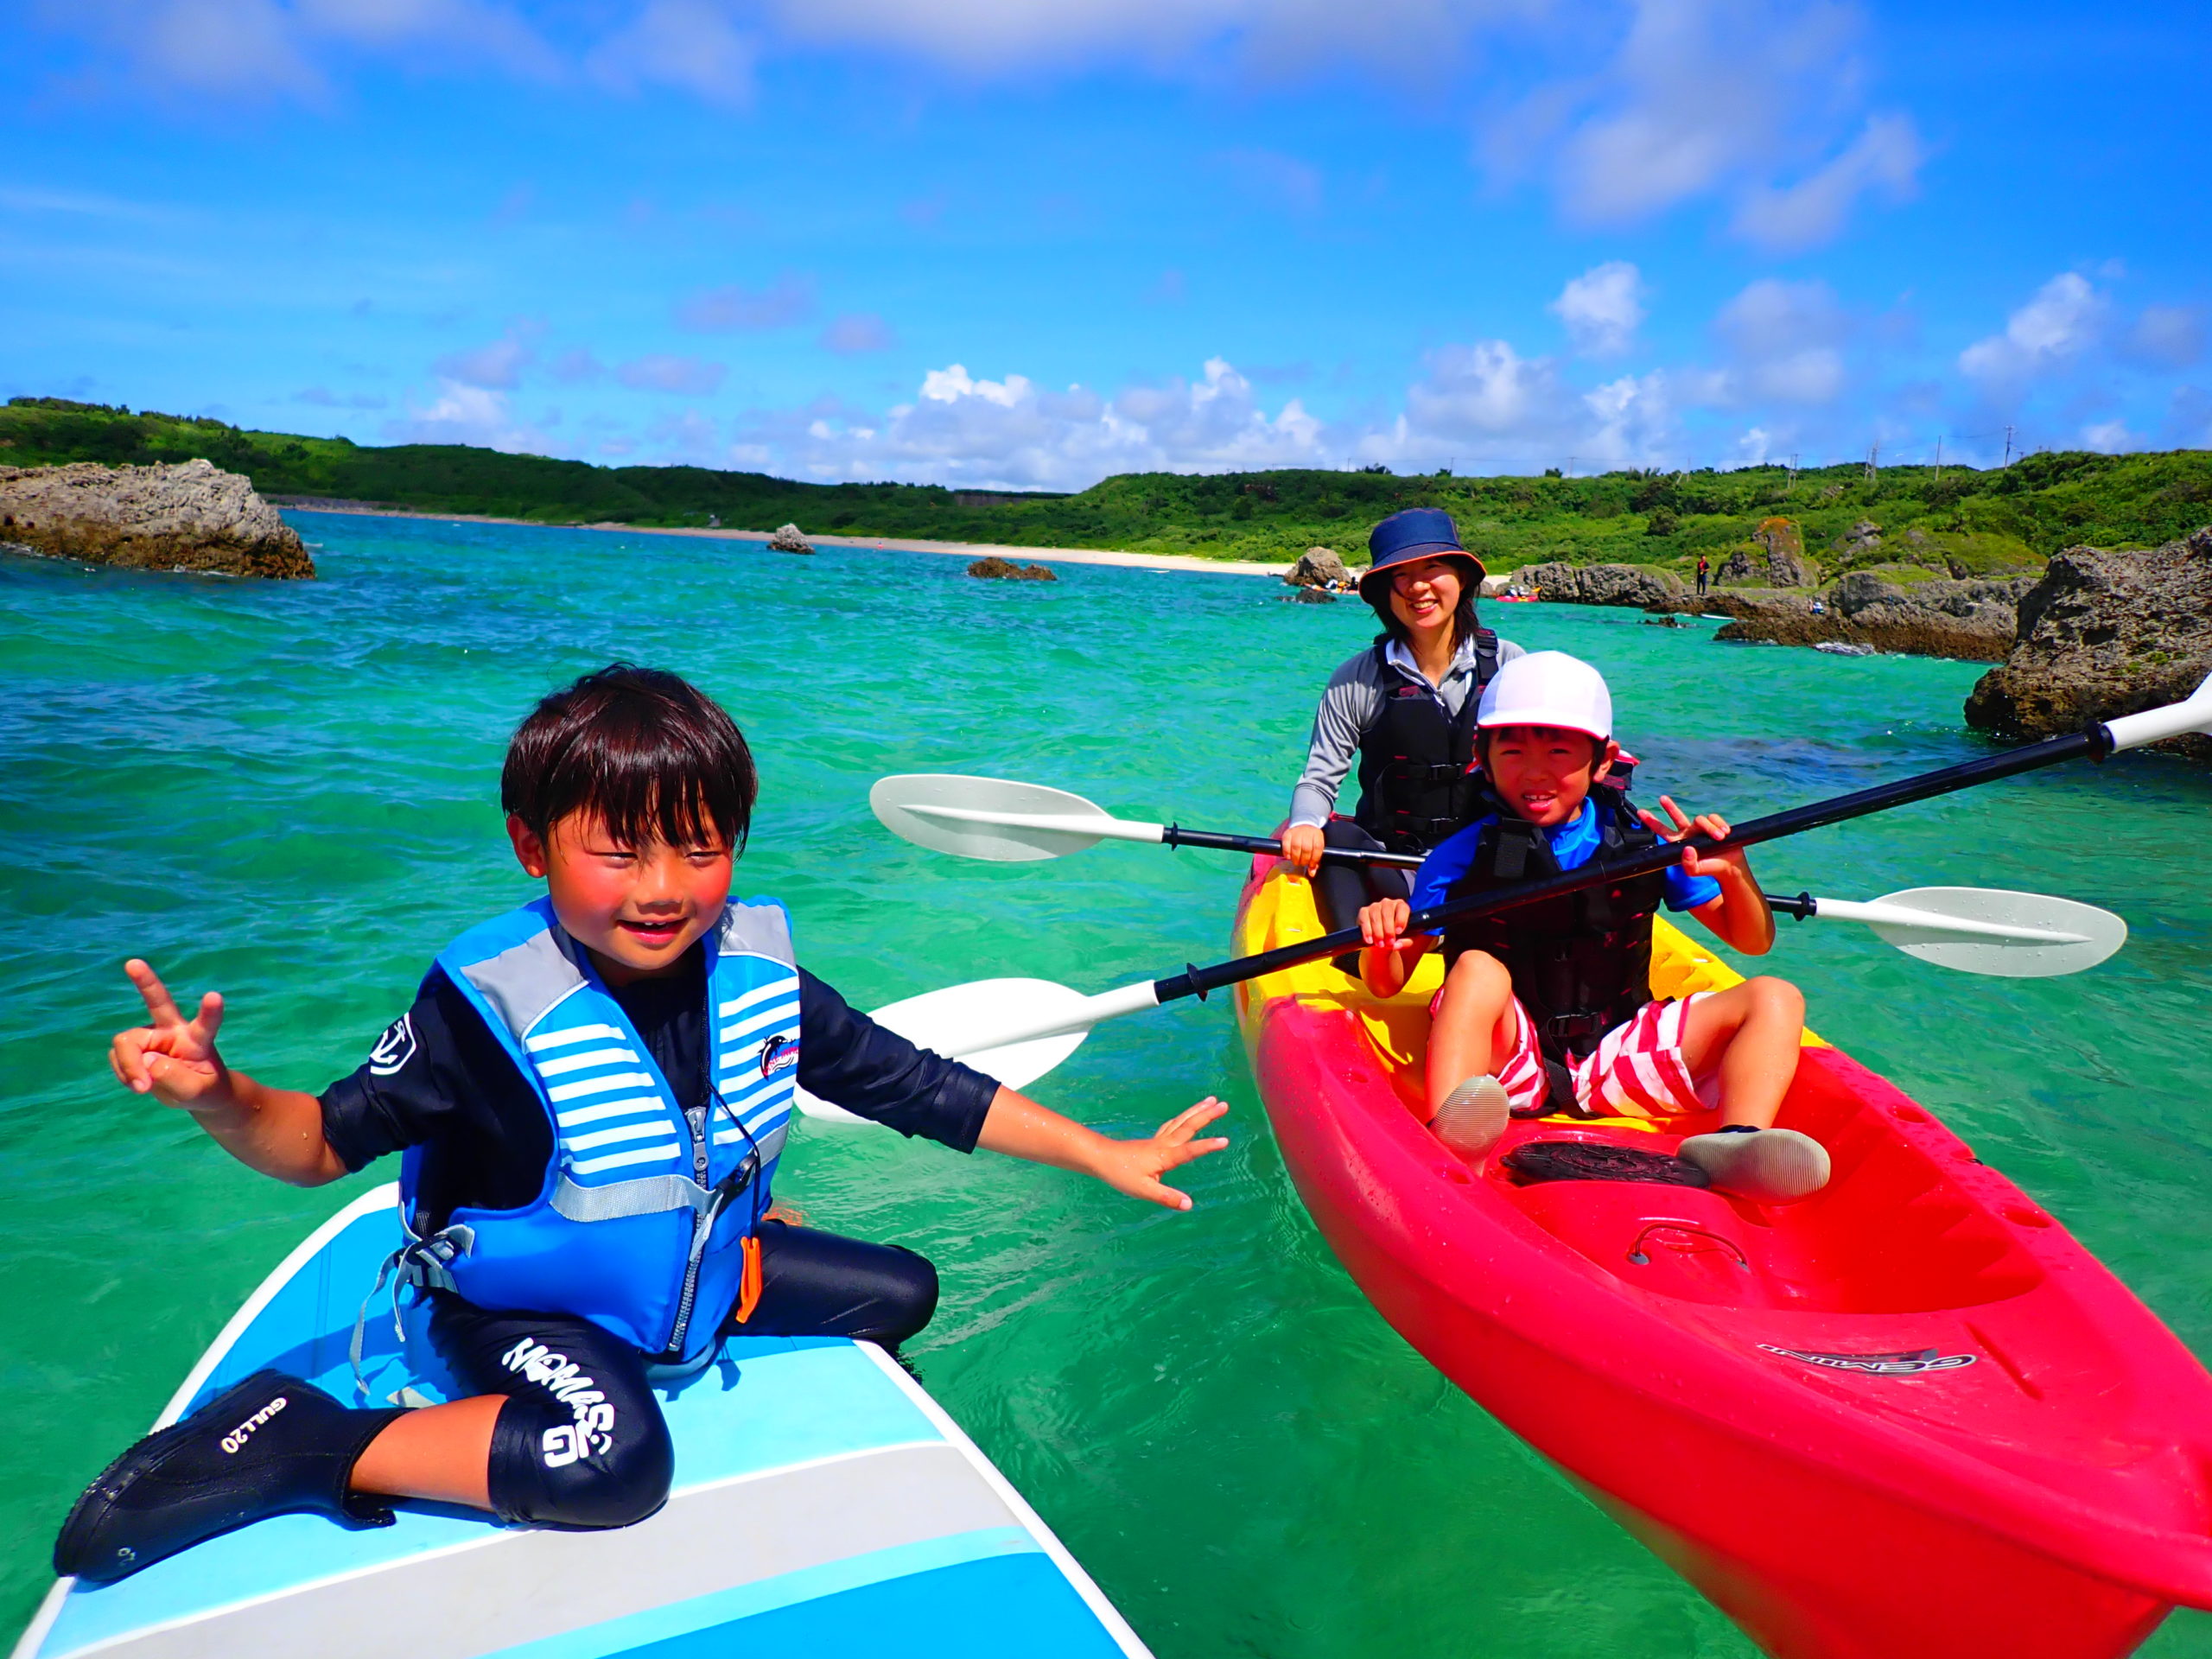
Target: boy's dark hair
{"x": 1463, "y": 620}
{"x": 655, "y": 757}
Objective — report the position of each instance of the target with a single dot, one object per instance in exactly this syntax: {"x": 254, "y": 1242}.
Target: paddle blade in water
{"x": 941, "y": 810}
{"x": 938, "y": 1020}
{"x": 2085, "y": 936}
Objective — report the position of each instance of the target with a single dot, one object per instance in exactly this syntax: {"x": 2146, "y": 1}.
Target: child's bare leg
{"x": 1749, "y": 1032}
{"x": 1473, "y": 1028}
{"x": 441, "y": 1453}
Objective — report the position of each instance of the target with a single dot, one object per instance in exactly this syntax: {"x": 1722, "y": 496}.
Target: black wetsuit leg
{"x": 817, "y": 1284}
{"x": 580, "y": 1443}
{"x": 1342, "y": 891}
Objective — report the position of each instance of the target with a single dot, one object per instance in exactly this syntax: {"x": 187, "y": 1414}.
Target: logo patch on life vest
{"x": 1910, "y": 1363}
{"x": 395, "y": 1048}
{"x": 778, "y": 1054}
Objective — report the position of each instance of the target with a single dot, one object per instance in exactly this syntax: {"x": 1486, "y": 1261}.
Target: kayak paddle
{"x": 1008, "y": 822}
{"x": 1017, "y": 1030}
{"x": 1979, "y": 930}
{"x": 973, "y": 1036}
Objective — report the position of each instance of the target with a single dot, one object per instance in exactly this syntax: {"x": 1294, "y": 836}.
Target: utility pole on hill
{"x": 2008, "y": 446}
{"x": 1873, "y": 455}
{"x": 1939, "y": 460}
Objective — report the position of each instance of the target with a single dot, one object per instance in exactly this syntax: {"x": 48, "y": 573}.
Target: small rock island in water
{"x": 192, "y": 516}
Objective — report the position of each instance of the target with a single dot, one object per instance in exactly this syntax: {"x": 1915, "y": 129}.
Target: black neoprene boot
{"x": 271, "y": 1446}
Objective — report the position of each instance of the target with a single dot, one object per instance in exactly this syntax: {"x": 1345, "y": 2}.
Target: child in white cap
{"x": 1549, "y": 1006}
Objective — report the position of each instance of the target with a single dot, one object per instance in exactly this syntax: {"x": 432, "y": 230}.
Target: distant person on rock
{"x": 1548, "y": 1008}
{"x": 1704, "y": 570}
{"x": 1404, "y": 710}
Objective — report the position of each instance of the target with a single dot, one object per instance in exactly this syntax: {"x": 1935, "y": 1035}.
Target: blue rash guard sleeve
{"x": 850, "y": 1061}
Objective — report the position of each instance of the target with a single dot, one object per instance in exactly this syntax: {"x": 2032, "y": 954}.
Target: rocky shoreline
{"x": 1972, "y": 620}
{"x": 190, "y": 517}
{"x": 2105, "y": 634}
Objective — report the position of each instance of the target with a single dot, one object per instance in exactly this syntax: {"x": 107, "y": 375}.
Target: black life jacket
{"x": 1415, "y": 787}
{"x": 1581, "y": 964}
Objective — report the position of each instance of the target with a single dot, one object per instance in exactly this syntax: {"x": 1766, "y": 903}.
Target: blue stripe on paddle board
{"x": 793, "y": 1401}
{"x": 714, "y": 1614}
{"x": 1004, "y": 1600}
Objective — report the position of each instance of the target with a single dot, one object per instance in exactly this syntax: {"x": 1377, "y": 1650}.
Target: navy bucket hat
{"x": 1415, "y": 533}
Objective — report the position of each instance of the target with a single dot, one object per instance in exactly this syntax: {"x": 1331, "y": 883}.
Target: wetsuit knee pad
{"x": 577, "y": 1468}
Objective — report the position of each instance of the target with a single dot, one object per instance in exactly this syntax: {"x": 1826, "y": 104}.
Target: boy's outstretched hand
{"x": 174, "y": 1059}
{"x": 1135, "y": 1166}
{"x": 1020, "y": 1128}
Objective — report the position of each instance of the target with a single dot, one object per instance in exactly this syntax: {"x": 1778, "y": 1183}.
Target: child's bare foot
{"x": 1765, "y": 1165}
{"x": 1472, "y": 1116}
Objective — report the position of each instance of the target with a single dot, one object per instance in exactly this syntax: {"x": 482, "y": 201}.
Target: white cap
{"x": 1548, "y": 688}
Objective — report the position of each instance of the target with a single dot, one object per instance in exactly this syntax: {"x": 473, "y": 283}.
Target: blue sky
{"x": 1034, "y": 242}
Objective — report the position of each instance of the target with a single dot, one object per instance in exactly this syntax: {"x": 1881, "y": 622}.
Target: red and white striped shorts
{"x": 1636, "y": 1070}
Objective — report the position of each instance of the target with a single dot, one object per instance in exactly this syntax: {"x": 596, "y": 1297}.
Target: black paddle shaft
{"x": 2096, "y": 743}
{"x": 1175, "y": 835}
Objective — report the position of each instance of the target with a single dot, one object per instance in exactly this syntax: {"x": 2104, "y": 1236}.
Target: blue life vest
{"x": 640, "y": 1223}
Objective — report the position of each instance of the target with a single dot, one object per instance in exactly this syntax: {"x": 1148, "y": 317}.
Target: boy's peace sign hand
{"x": 1716, "y": 862}
{"x": 174, "y": 1058}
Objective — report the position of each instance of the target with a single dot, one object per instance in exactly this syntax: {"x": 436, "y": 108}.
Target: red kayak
{"x": 1909, "y": 1416}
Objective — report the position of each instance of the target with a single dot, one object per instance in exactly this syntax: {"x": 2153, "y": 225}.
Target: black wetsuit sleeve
{"x": 437, "y": 1074}
{"x": 847, "y": 1059}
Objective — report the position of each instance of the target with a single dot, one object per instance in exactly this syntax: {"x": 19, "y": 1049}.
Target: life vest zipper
{"x": 702, "y": 1226}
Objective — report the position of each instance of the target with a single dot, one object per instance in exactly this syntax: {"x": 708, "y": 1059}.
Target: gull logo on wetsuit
{"x": 562, "y": 1378}
{"x": 395, "y": 1048}
{"x": 234, "y": 1442}
{"x": 779, "y": 1053}
{"x": 1911, "y": 1363}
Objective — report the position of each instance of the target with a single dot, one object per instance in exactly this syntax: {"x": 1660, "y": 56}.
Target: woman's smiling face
{"x": 1425, "y": 593}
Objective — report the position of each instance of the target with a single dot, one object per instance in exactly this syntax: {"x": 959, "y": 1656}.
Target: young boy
{"x": 1549, "y": 1006}
{"x": 592, "y": 1092}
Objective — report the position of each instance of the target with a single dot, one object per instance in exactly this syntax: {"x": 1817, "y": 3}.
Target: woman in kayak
{"x": 1404, "y": 709}
{"x": 1549, "y": 1006}
{"x": 592, "y": 1093}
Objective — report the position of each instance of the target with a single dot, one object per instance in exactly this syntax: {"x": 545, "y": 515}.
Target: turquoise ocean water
{"x": 288, "y": 793}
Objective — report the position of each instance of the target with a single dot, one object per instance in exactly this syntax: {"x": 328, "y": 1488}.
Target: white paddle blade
{"x": 2192, "y": 714}
{"x": 2061, "y": 937}
{"x": 904, "y": 801}
{"x": 940, "y": 1019}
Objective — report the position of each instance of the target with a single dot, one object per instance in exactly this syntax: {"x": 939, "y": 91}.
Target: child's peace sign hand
{"x": 1716, "y": 862}
{"x": 1135, "y": 1166}
{"x": 174, "y": 1059}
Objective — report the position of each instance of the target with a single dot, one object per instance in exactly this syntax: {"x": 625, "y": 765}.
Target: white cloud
{"x": 1602, "y": 309}
{"x": 466, "y": 414}
{"x": 1885, "y": 159}
{"x": 496, "y": 367}
{"x": 2167, "y": 336}
{"x": 2109, "y": 437}
{"x": 1784, "y": 344}
{"x": 856, "y": 331}
{"x": 687, "y": 44}
{"x": 2064, "y": 319}
{"x": 788, "y": 300}
{"x": 663, "y": 371}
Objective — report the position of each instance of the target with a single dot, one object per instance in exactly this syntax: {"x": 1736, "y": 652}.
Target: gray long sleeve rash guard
{"x": 1350, "y": 705}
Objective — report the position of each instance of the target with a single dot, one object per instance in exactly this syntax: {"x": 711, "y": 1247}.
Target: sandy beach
{"x": 955, "y": 550}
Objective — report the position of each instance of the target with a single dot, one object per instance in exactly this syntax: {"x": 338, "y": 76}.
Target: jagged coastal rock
{"x": 1776, "y": 559}
{"x": 1973, "y": 620}
{"x": 998, "y": 569}
{"x": 2104, "y": 634}
{"x": 1601, "y": 584}
{"x": 190, "y": 516}
{"x": 1313, "y": 596}
{"x": 788, "y": 540}
{"x": 1318, "y": 566}
{"x": 1495, "y": 586}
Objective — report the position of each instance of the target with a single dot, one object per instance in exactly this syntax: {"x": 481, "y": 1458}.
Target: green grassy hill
{"x": 1967, "y": 520}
